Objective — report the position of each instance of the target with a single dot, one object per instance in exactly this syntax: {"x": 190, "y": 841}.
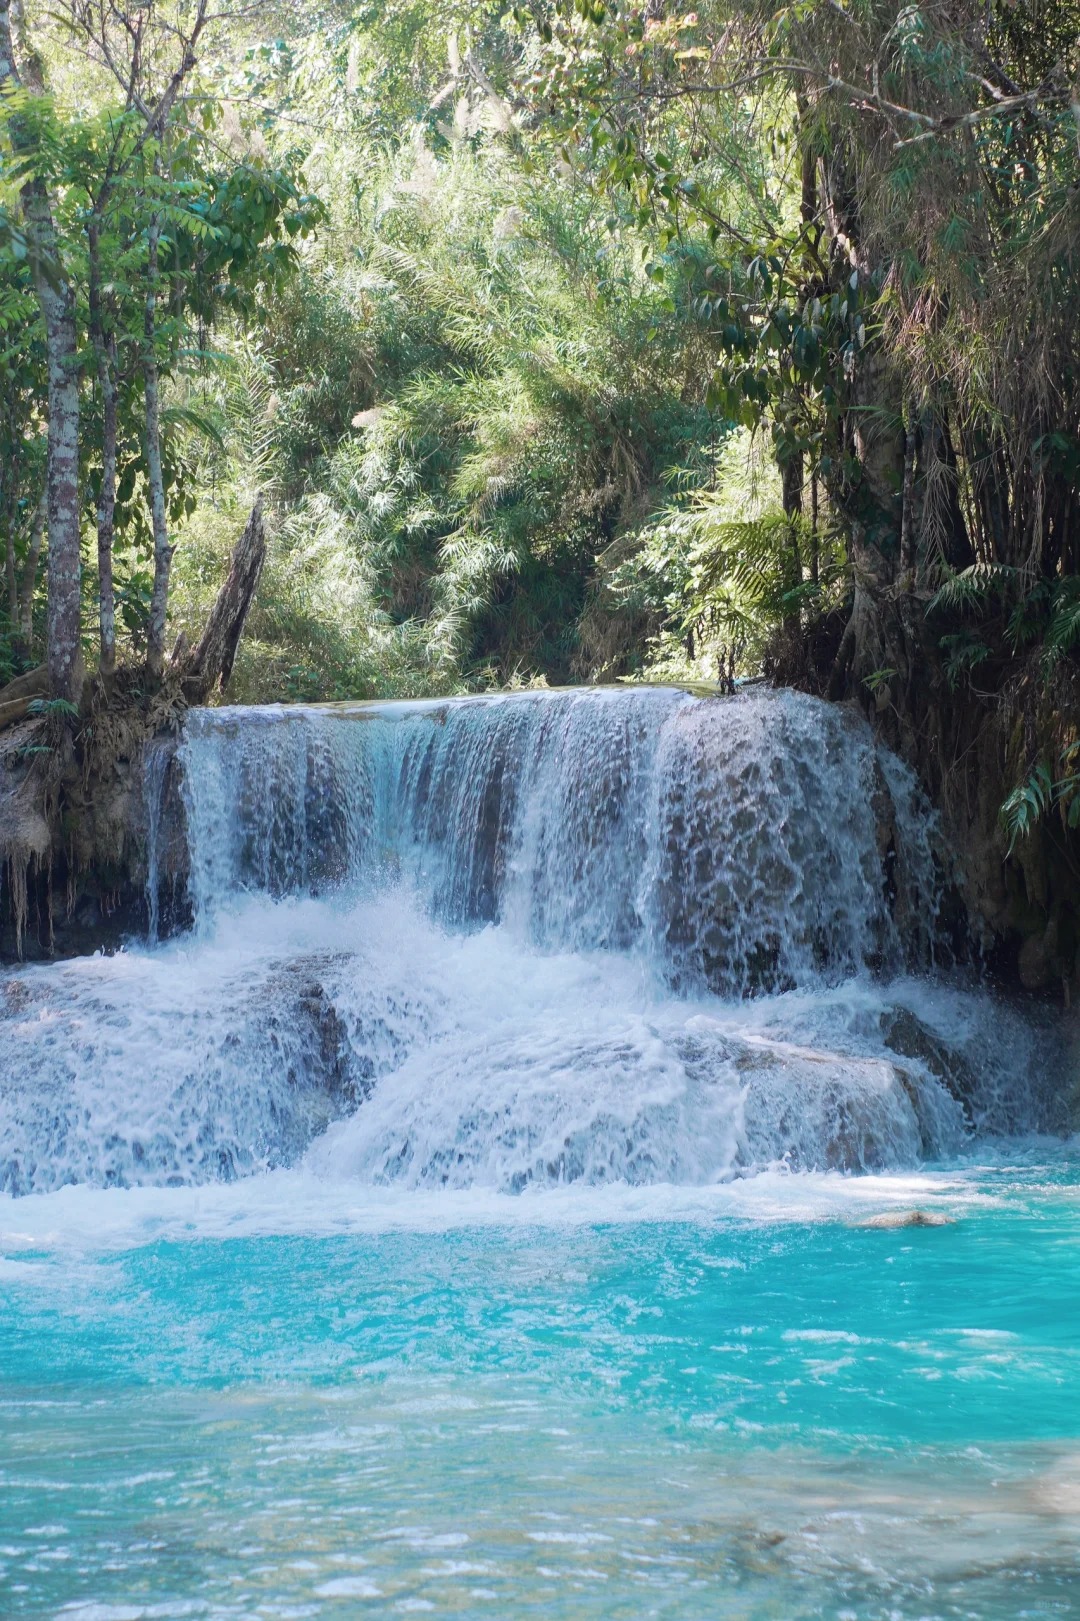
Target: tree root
{"x": 73, "y": 791}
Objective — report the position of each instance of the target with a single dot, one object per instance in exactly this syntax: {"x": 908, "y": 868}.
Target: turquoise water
{"x": 291, "y": 1397}
{"x": 468, "y": 1217}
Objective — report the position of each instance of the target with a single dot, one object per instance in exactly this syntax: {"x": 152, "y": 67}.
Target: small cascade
{"x": 737, "y": 843}
{"x": 543, "y": 938}
{"x": 155, "y": 767}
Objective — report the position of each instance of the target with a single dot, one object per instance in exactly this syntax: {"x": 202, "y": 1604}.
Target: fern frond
{"x": 971, "y": 587}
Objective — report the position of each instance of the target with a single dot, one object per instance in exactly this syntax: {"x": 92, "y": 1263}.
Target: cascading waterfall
{"x": 735, "y": 843}
{"x": 593, "y": 935}
{"x": 155, "y": 766}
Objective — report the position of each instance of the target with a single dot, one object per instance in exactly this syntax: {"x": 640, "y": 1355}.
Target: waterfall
{"x": 155, "y": 765}
{"x": 537, "y": 938}
{"x": 736, "y": 843}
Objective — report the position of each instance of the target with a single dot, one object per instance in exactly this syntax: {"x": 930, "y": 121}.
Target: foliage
{"x": 160, "y": 232}
{"x": 887, "y": 198}
{"x": 457, "y": 411}
{"x": 496, "y": 304}
{"x": 1046, "y": 789}
{"x": 490, "y": 395}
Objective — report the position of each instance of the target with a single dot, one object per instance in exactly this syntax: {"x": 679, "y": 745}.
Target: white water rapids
{"x": 579, "y": 936}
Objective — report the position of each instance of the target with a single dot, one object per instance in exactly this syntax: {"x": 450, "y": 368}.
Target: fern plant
{"x": 1045, "y": 790}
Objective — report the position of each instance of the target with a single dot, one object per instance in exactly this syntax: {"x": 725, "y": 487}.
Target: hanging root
{"x": 25, "y": 833}
{"x": 18, "y": 867}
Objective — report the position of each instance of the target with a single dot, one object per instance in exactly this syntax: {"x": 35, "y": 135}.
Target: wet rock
{"x": 1036, "y": 964}
{"x": 818, "y": 1111}
{"x": 906, "y": 1035}
{"x": 891, "y": 1219}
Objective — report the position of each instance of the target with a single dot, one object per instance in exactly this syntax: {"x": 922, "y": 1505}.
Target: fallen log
{"x": 13, "y": 711}
{"x": 210, "y": 664}
{"x": 32, "y": 684}
{"x": 18, "y": 695}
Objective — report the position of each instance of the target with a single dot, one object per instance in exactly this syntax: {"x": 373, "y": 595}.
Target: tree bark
{"x": 791, "y": 478}
{"x": 907, "y": 502}
{"x": 163, "y": 552}
{"x": 210, "y": 663}
{"x": 12, "y": 586}
{"x": 11, "y": 471}
{"x": 31, "y": 684}
{"x": 814, "y": 541}
{"x": 64, "y": 654}
{"x": 105, "y": 353}
{"x": 57, "y": 300}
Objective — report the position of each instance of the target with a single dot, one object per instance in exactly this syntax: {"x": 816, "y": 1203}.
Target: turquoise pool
{"x": 468, "y": 1216}
{"x": 296, "y": 1398}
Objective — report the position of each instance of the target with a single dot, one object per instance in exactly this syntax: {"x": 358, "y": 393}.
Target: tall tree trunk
{"x": 950, "y": 530}
{"x": 907, "y": 500}
{"x": 12, "y": 584}
{"x": 791, "y": 479}
{"x": 64, "y": 651}
{"x": 9, "y": 503}
{"x": 105, "y": 353}
{"x": 814, "y": 539}
{"x": 106, "y": 512}
{"x": 57, "y": 300}
{"x": 163, "y": 552}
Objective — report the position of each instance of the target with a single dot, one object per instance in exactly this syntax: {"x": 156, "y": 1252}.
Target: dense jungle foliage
{"x": 562, "y": 340}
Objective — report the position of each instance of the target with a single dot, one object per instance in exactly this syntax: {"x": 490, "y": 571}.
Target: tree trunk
{"x": 814, "y": 540}
{"x": 57, "y": 300}
{"x": 106, "y": 513}
{"x": 791, "y": 478}
{"x": 12, "y": 586}
{"x": 10, "y": 472}
{"x": 64, "y": 653}
{"x": 872, "y": 504}
{"x": 105, "y": 352}
{"x": 210, "y": 664}
{"x": 163, "y": 552}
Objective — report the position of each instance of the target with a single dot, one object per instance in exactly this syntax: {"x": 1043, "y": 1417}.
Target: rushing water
{"x": 461, "y": 1218}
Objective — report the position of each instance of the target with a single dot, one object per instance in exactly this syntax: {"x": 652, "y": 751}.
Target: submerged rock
{"x": 891, "y": 1219}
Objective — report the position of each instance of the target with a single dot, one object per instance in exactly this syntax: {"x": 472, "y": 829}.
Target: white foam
{"x": 505, "y": 945}
{"x": 76, "y": 1222}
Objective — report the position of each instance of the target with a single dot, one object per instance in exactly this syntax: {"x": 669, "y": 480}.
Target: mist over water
{"x": 599, "y": 936}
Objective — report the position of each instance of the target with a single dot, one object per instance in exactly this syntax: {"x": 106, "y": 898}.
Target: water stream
{"x": 467, "y": 1215}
